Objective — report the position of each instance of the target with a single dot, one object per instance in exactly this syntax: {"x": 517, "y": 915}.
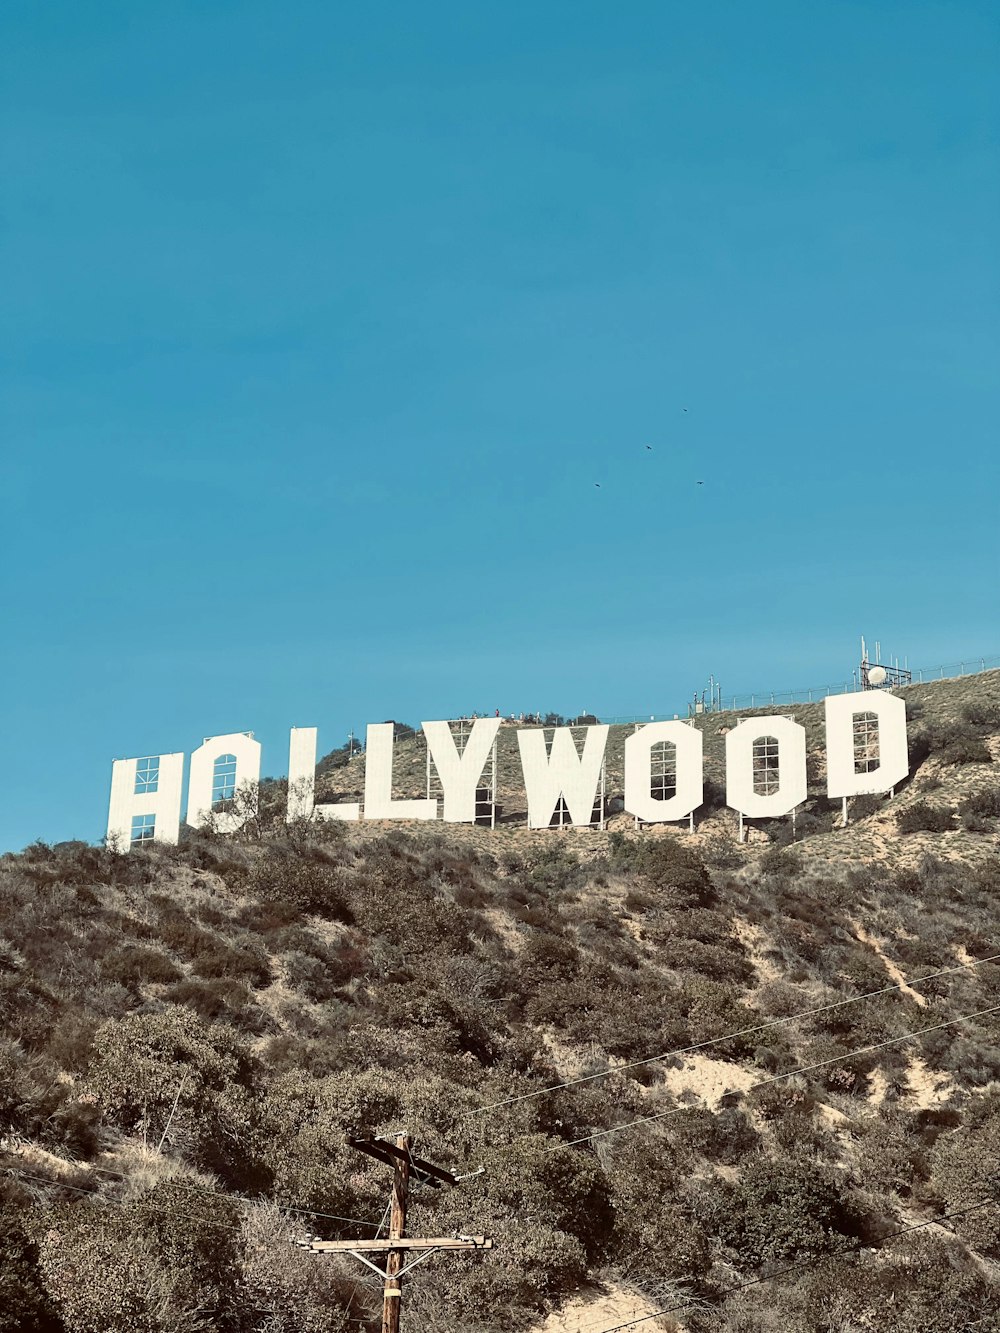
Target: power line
{"x": 235, "y": 1198}
{"x": 803, "y": 1069}
{"x": 160, "y": 1209}
{"x": 729, "y": 1036}
{"x": 802, "y": 1263}
{"x": 117, "y": 1203}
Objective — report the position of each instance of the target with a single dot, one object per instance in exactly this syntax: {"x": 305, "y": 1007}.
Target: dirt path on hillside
{"x": 862, "y": 936}
{"x": 609, "y": 1305}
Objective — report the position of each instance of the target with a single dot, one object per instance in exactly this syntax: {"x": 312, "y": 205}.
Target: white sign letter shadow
{"x": 882, "y": 731}
{"x": 689, "y": 793}
{"x": 378, "y": 780}
{"x": 563, "y": 773}
{"x": 460, "y": 773}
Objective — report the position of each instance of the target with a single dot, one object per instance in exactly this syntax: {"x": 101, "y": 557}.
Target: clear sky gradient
{"x": 322, "y": 322}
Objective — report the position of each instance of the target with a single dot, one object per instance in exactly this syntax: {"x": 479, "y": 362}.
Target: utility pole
{"x": 392, "y": 1292}
{"x": 405, "y": 1167}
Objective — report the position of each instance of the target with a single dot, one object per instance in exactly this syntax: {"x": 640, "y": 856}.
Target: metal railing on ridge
{"x": 972, "y": 666}
{"x": 774, "y": 698}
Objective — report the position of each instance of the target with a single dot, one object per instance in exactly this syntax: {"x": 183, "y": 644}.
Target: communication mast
{"x": 708, "y": 701}
{"x": 879, "y": 675}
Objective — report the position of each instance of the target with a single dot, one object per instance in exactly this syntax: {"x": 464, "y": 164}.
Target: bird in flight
{"x": 699, "y": 483}
{"x": 597, "y": 484}
{"x": 685, "y": 409}
{"x": 649, "y": 447}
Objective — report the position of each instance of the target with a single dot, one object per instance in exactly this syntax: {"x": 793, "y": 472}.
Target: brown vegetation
{"x": 189, "y": 1036}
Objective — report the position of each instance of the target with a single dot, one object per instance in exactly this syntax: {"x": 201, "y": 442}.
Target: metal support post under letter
{"x": 493, "y": 786}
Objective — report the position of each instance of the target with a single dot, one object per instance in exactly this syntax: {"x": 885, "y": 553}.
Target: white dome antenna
{"x": 877, "y": 675}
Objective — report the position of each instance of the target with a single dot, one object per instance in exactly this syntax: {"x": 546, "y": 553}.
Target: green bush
{"x": 132, "y": 965}
{"x": 965, "y": 1167}
{"x": 984, "y": 714}
{"x": 174, "y": 1074}
{"x": 675, "y": 873}
{"x": 922, "y": 817}
{"x": 304, "y": 877}
{"x": 654, "y": 1232}
{"x": 240, "y": 960}
{"x": 36, "y": 1104}
{"x": 978, "y": 808}
{"x": 154, "y": 1265}
{"x": 780, "y": 862}
{"x": 308, "y": 975}
{"x": 864, "y": 806}
{"x": 920, "y": 1283}
{"x": 707, "y": 960}
{"x": 957, "y": 743}
{"x": 224, "y": 998}
{"x": 780, "y": 1210}
{"x": 725, "y": 1136}
{"x": 889, "y": 1158}
{"x": 176, "y": 929}
{"x": 25, "y": 1305}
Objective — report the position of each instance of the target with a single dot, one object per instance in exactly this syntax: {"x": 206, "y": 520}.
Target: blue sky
{"x": 321, "y": 322}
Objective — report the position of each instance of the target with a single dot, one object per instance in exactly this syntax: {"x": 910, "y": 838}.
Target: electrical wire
{"x": 385, "y": 1215}
{"x": 776, "y": 1078}
{"x": 38, "y": 1180}
{"x": 234, "y": 1198}
{"x": 729, "y": 1036}
{"x": 160, "y": 1210}
{"x": 116, "y": 1203}
{"x": 802, "y": 1263}
{"x": 196, "y": 1189}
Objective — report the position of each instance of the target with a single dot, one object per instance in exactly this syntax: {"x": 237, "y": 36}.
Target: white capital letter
{"x": 848, "y": 754}
{"x": 780, "y": 746}
{"x": 220, "y": 767}
{"x": 460, "y": 773}
{"x": 302, "y": 782}
{"x": 145, "y": 795}
{"x": 378, "y": 780}
{"x": 689, "y": 788}
{"x": 562, "y": 773}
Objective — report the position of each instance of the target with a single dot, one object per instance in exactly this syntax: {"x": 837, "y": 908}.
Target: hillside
{"x": 939, "y": 715}
{"x": 190, "y": 1035}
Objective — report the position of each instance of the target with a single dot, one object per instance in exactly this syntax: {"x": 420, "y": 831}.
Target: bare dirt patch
{"x": 927, "y": 1089}
{"x": 608, "y": 1305}
{"x": 706, "y": 1080}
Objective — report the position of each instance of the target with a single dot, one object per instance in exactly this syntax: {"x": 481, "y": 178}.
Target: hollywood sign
{"x": 866, "y": 752}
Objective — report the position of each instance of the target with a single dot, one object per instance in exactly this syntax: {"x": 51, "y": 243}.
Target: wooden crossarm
{"x": 369, "y": 1147}
{"x": 407, "y": 1243}
{"x": 384, "y": 1151}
